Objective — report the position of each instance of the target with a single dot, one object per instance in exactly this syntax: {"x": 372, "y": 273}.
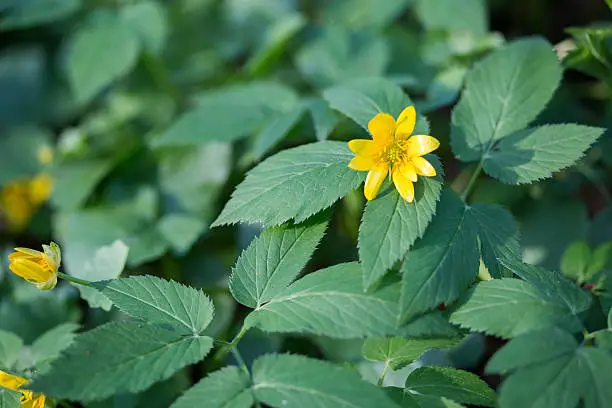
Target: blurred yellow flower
{"x": 395, "y": 152}
{"x": 20, "y": 199}
{"x": 39, "y": 268}
{"x": 45, "y": 155}
{"x": 28, "y": 398}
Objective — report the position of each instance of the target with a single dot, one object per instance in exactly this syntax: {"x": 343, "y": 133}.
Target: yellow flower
{"x": 395, "y": 152}
{"x": 21, "y": 199}
{"x": 28, "y": 398}
{"x": 39, "y": 268}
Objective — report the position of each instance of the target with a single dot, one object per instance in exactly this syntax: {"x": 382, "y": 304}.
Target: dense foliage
{"x": 190, "y": 159}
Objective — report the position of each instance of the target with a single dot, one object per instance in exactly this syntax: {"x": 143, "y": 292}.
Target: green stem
{"x": 470, "y": 185}
{"x": 383, "y": 374}
{"x": 240, "y": 361}
{"x": 74, "y": 279}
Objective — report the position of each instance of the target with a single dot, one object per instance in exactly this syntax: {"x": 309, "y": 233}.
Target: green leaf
{"x": 99, "y": 54}
{"x": 149, "y": 23}
{"x": 181, "y": 230}
{"x": 444, "y": 262}
{"x": 591, "y": 52}
{"x": 230, "y": 113}
{"x": 510, "y": 307}
{"x": 276, "y": 130}
{"x": 51, "y": 343}
{"x": 295, "y": 183}
{"x": 388, "y": 217}
{"x": 74, "y": 182}
{"x": 10, "y": 346}
{"x": 450, "y": 15}
{"x": 428, "y": 401}
{"x": 107, "y": 263}
{"x": 228, "y": 387}
{"x": 504, "y": 92}
{"x": 429, "y": 325}
{"x": 273, "y": 260}
{"x": 601, "y": 259}
{"x": 9, "y": 399}
{"x": 398, "y": 352}
{"x": 457, "y": 385}
{"x": 275, "y": 41}
{"x": 362, "y": 99}
{"x": 363, "y": 14}
{"x": 35, "y": 12}
{"x": 575, "y": 260}
{"x": 330, "y": 302}
{"x": 550, "y": 369}
{"x": 127, "y": 357}
{"x": 338, "y": 56}
{"x": 537, "y": 153}
{"x": 497, "y": 234}
{"x": 323, "y": 117}
{"x": 187, "y": 310}
{"x": 297, "y": 381}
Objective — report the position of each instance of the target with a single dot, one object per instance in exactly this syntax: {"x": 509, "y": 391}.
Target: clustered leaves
{"x": 425, "y": 279}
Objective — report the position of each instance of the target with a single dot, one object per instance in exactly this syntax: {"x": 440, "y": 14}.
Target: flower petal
{"x": 375, "y": 178}
{"x": 404, "y": 186}
{"x": 406, "y": 122}
{"x": 423, "y": 167}
{"x": 30, "y": 252}
{"x": 382, "y": 127}
{"x": 361, "y": 146}
{"x": 11, "y": 382}
{"x": 418, "y": 145}
{"x": 30, "y": 271}
{"x": 408, "y": 171}
{"x": 361, "y": 163}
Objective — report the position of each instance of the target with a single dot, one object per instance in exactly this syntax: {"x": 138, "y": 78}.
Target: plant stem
{"x": 383, "y": 374}
{"x": 468, "y": 189}
{"x": 240, "y": 361}
{"x": 74, "y": 279}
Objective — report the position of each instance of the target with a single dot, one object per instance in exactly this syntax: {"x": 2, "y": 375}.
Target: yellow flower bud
{"x": 39, "y": 268}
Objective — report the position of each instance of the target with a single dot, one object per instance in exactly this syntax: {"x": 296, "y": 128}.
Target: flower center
{"x": 395, "y": 153}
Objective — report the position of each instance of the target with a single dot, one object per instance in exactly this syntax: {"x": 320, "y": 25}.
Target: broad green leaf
{"x": 127, "y": 357}
{"x": 337, "y": 57}
{"x": 10, "y": 346}
{"x": 552, "y": 285}
{"x": 444, "y": 262}
{"x": 601, "y": 260}
{"x": 228, "y": 387}
{"x": 457, "y": 385}
{"x": 9, "y": 398}
{"x": 273, "y": 260}
{"x": 576, "y": 260}
{"x": 276, "y": 130}
{"x": 504, "y": 92}
{"x": 362, "y": 99}
{"x": 510, "y": 307}
{"x": 229, "y": 113}
{"x": 450, "y": 15}
{"x": 157, "y": 301}
{"x": 35, "y": 12}
{"x": 330, "y": 302}
{"x": 398, "y": 352}
{"x": 536, "y": 153}
{"x": 74, "y": 182}
{"x": 498, "y": 235}
{"x": 429, "y": 401}
{"x": 433, "y": 324}
{"x": 181, "y": 230}
{"x": 51, "y": 343}
{"x": 390, "y": 225}
{"x": 98, "y": 54}
{"x": 550, "y": 369}
{"x": 149, "y": 23}
{"x": 297, "y": 381}
{"x": 107, "y": 263}
{"x": 591, "y": 50}
{"x": 295, "y": 183}
{"x": 323, "y": 117}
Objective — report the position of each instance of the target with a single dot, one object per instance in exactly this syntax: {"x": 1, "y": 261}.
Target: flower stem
{"x": 470, "y": 185}
{"x": 383, "y": 374}
{"x": 74, "y": 279}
